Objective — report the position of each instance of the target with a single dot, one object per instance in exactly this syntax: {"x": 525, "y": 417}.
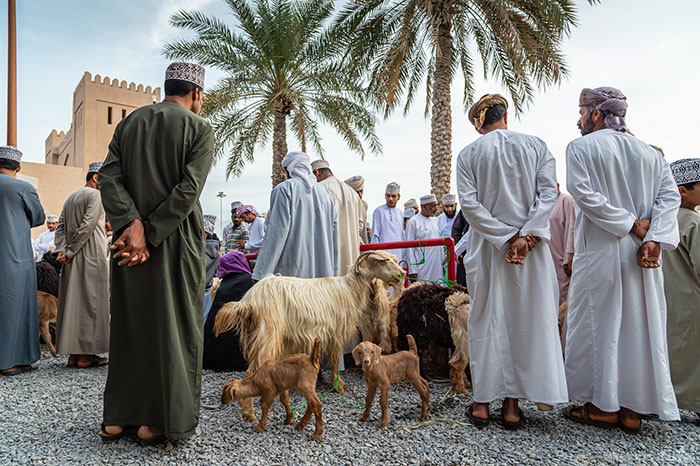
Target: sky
{"x": 645, "y": 48}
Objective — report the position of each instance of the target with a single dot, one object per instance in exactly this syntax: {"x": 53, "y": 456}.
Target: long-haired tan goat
{"x": 457, "y": 307}
{"x": 280, "y": 316}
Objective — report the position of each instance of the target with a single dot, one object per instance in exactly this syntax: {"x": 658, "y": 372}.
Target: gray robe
{"x": 20, "y": 210}
{"x": 302, "y": 233}
{"x": 82, "y": 326}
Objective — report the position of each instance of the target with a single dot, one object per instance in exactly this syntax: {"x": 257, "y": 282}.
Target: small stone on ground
{"x": 52, "y": 416}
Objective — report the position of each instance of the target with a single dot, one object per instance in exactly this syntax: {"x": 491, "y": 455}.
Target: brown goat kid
{"x": 381, "y": 371}
{"x": 48, "y": 310}
{"x": 296, "y": 372}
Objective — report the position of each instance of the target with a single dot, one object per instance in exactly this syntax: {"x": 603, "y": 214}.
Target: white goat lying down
{"x": 280, "y": 316}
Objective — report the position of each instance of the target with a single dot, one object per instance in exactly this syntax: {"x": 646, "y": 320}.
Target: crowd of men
{"x": 629, "y": 339}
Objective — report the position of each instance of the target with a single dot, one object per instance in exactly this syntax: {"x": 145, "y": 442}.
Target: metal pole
{"x": 11, "y": 74}
{"x": 221, "y": 197}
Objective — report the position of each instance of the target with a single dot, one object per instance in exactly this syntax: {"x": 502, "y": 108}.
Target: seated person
{"x": 223, "y": 353}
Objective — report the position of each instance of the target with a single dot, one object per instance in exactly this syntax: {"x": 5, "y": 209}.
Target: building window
{"x": 109, "y": 115}
{"x": 123, "y": 113}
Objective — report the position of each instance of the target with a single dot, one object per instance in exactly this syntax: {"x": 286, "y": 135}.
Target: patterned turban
{"x": 94, "y": 167}
{"x": 686, "y": 171}
{"x": 51, "y": 218}
{"x": 319, "y": 163}
{"x": 408, "y": 213}
{"x": 234, "y": 205}
{"x": 209, "y": 227}
{"x": 392, "y": 188}
{"x": 412, "y": 203}
{"x": 478, "y": 111}
{"x": 428, "y": 199}
{"x": 449, "y": 199}
{"x": 243, "y": 208}
{"x": 183, "y": 71}
{"x": 10, "y": 153}
{"x": 610, "y": 102}
{"x": 356, "y": 182}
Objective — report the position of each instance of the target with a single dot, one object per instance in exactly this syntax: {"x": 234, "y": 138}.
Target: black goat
{"x": 421, "y": 313}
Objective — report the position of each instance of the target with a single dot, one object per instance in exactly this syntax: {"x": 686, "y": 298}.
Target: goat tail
{"x": 227, "y": 317}
{"x": 412, "y": 344}
{"x": 316, "y": 352}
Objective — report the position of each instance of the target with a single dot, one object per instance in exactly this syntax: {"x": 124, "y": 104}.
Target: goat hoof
{"x": 341, "y": 387}
{"x": 299, "y": 427}
{"x": 259, "y": 428}
{"x": 288, "y": 420}
{"x": 316, "y": 437}
{"x": 384, "y": 425}
{"x": 250, "y": 418}
{"x": 364, "y": 418}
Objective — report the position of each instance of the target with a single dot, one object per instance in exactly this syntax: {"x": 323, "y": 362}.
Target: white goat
{"x": 280, "y": 316}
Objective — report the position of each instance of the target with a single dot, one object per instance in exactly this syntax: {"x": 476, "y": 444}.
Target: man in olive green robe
{"x": 155, "y": 170}
{"x": 682, "y": 288}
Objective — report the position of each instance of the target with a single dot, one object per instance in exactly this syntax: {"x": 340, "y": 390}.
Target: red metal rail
{"x": 448, "y": 242}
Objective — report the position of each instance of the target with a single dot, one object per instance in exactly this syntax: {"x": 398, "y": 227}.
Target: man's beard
{"x": 450, "y": 215}
{"x": 588, "y": 126}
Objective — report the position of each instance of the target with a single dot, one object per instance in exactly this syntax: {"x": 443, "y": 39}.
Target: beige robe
{"x": 347, "y": 204}
{"x": 82, "y": 326}
{"x": 364, "y": 237}
{"x": 681, "y": 268}
{"x": 561, "y": 224}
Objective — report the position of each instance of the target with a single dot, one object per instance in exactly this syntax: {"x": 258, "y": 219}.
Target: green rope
{"x": 433, "y": 421}
{"x": 450, "y": 394}
{"x": 334, "y": 387}
{"x": 442, "y": 281}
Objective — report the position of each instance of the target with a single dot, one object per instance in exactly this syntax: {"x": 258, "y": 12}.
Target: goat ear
{"x": 376, "y": 353}
{"x": 356, "y": 355}
{"x": 379, "y": 258}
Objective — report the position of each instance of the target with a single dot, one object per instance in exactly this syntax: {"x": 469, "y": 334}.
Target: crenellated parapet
{"x": 115, "y": 83}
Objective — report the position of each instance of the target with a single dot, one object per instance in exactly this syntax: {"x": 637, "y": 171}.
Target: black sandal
{"x": 97, "y": 361}
{"x": 478, "y": 422}
{"x": 152, "y": 442}
{"x": 584, "y": 418}
{"x": 19, "y": 370}
{"x": 111, "y": 438}
{"x": 512, "y": 425}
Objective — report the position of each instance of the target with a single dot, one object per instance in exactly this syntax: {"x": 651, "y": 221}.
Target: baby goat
{"x": 381, "y": 371}
{"x": 298, "y": 371}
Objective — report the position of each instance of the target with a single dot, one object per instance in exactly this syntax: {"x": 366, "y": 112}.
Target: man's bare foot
{"x": 630, "y": 419}
{"x": 149, "y": 432}
{"x": 603, "y": 416}
{"x": 84, "y": 360}
{"x": 510, "y": 410}
{"x": 114, "y": 430}
{"x": 480, "y": 410}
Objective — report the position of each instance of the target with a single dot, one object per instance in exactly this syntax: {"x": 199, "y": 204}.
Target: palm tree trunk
{"x": 279, "y": 146}
{"x": 441, "y": 120}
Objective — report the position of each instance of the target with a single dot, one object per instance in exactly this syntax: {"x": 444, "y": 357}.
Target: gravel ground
{"x": 52, "y": 416}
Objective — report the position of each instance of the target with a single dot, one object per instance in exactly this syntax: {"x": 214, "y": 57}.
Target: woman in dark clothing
{"x": 223, "y": 353}
{"x": 460, "y": 227}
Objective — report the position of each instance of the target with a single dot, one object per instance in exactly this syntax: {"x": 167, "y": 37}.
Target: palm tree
{"x": 283, "y": 64}
{"x": 407, "y": 42}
